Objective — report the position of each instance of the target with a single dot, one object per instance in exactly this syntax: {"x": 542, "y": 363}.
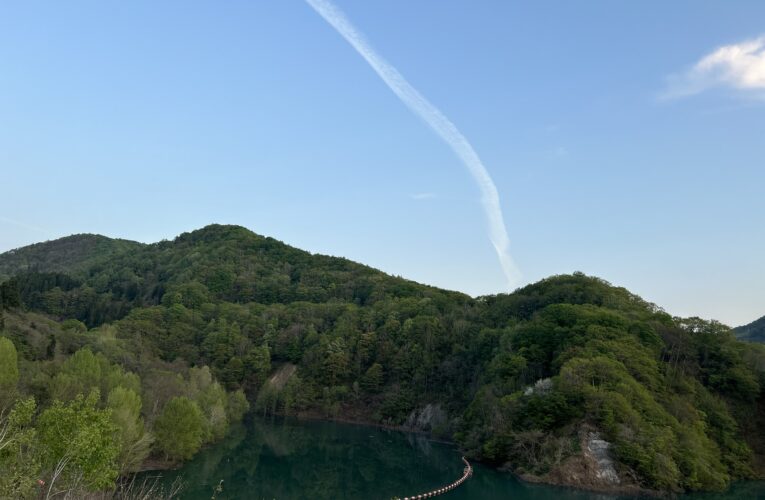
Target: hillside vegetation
{"x": 70, "y": 254}
{"x": 168, "y": 337}
{"x": 753, "y": 332}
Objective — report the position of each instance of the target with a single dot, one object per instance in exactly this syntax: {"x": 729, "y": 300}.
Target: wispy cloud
{"x": 438, "y": 122}
{"x": 422, "y": 196}
{"x": 740, "y": 66}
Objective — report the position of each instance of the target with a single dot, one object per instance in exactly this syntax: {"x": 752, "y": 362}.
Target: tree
{"x": 9, "y": 295}
{"x": 297, "y": 395}
{"x": 336, "y": 361}
{"x": 233, "y": 373}
{"x": 77, "y": 442}
{"x": 236, "y": 406}
{"x": 134, "y": 441}
{"x": 85, "y": 371}
{"x": 19, "y": 465}
{"x": 211, "y": 400}
{"x": 9, "y": 371}
{"x": 179, "y": 429}
{"x": 79, "y": 374}
{"x": 258, "y": 364}
{"x": 74, "y": 325}
{"x": 373, "y": 378}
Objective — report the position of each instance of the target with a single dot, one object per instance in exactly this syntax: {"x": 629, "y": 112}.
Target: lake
{"x": 291, "y": 459}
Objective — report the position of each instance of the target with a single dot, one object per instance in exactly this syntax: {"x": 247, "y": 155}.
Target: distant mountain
{"x": 71, "y": 254}
{"x": 753, "y": 332}
{"x": 569, "y": 380}
{"x": 96, "y": 279}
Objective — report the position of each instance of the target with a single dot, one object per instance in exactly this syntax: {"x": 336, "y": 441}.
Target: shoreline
{"x": 159, "y": 466}
{"x": 313, "y": 417}
{"x": 631, "y": 490}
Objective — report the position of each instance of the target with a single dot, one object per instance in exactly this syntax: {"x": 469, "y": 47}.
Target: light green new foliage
{"x": 522, "y": 375}
{"x": 179, "y": 430}
{"x": 199, "y": 379}
{"x": 236, "y": 406}
{"x": 134, "y": 441}
{"x": 115, "y": 376}
{"x": 9, "y": 371}
{"x": 79, "y": 374}
{"x": 19, "y": 466}
{"x": 217, "y": 421}
{"x": 85, "y": 371}
{"x": 211, "y": 398}
{"x": 212, "y": 402}
{"x": 84, "y": 435}
{"x": 673, "y": 455}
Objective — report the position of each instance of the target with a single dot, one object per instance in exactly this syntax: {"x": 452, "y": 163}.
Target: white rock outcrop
{"x": 598, "y": 450}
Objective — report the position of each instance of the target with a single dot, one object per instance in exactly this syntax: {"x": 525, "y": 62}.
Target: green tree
{"x": 336, "y": 361}
{"x": 9, "y": 371}
{"x": 232, "y": 374}
{"x": 134, "y": 441}
{"x": 297, "y": 395}
{"x": 236, "y": 406}
{"x": 79, "y": 375}
{"x": 373, "y": 378}
{"x": 19, "y": 464}
{"x": 179, "y": 430}
{"x": 258, "y": 365}
{"x": 78, "y": 438}
{"x": 74, "y": 325}
{"x": 212, "y": 402}
{"x": 9, "y": 295}
{"x": 85, "y": 371}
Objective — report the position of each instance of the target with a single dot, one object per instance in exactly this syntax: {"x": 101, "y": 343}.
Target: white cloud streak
{"x": 739, "y": 66}
{"x": 423, "y": 196}
{"x": 417, "y": 103}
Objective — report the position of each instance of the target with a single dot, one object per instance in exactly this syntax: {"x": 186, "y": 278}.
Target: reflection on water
{"x": 287, "y": 459}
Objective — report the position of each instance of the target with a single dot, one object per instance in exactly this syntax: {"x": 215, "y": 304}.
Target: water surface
{"x": 287, "y": 459}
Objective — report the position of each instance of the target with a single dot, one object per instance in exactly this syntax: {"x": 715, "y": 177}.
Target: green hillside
{"x": 211, "y": 265}
{"x": 753, "y": 332}
{"x": 527, "y": 380}
{"x": 72, "y": 254}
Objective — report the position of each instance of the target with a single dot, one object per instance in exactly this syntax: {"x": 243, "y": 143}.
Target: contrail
{"x": 439, "y": 123}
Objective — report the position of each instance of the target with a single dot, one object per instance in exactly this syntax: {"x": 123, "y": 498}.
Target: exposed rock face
{"x": 281, "y": 376}
{"x": 598, "y": 451}
{"x": 593, "y": 468}
{"x": 429, "y": 418}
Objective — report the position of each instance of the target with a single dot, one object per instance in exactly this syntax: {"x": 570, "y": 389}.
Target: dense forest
{"x": 753, "y": 332}
{"x": 142, "y": 354}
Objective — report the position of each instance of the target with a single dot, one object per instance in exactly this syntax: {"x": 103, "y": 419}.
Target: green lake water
{"x": 288, "y": 459}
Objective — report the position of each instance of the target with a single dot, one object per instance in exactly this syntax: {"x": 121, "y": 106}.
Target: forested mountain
{"x": 71, "y": 254}
{"x": 531, "y": 380}
{"x": 754, "y": 331}
{"x": 212, "y": 265}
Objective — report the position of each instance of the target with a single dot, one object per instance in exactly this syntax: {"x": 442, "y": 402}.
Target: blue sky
{"x": 616, "y": 150}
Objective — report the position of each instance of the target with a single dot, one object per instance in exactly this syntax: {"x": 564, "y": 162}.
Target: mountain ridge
{"x": 73, "y": 252}
{"x": 523, "y": 380}
{"x": 753, "y": 332}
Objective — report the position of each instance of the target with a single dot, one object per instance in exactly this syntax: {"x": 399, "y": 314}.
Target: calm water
{"x": 288, "y": 459}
